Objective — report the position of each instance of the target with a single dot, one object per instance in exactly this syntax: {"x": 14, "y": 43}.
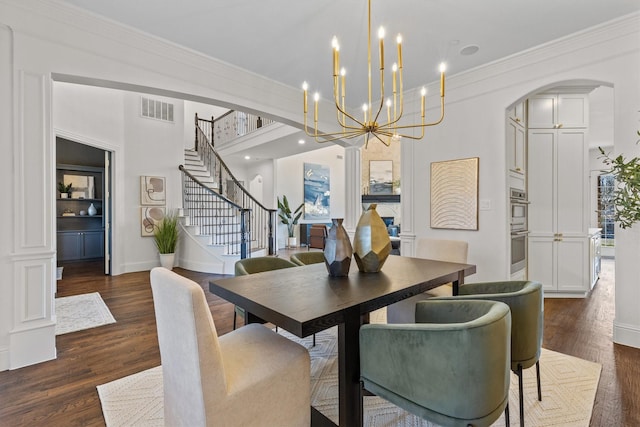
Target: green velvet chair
{"x": 305, "y": 258}
{"x": 257, "y": 265}
{"x": 526, "y": 301}
{"x": 451, "y": 367}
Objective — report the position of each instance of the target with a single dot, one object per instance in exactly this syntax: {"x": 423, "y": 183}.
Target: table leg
{"x": 457, "y": 283}
{"x": 350, "y": 407}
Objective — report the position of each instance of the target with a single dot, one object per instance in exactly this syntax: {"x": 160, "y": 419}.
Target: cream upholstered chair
{"x": 251, "y": 376}
{"x": 305, "y": 258}
{"x": 526, "y": 301}
{"x": 451, "y": 367}
{"x": 436, "y": 249}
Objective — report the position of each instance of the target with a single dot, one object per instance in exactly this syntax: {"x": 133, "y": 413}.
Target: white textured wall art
{"x": 454, "y": 194}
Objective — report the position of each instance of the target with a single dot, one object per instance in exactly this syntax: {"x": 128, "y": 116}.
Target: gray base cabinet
{"x": 79, "y": 245}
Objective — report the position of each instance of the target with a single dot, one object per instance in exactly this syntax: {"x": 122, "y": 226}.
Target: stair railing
{"x": 261, "y": 220}
{"x": 216, "y": 216}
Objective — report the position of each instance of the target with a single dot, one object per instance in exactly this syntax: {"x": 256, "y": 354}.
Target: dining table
{"x": 306, "y": 300}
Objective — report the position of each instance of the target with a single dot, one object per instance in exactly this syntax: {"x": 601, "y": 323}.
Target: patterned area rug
{"x": 79, "y": 312}
{"x": 568, "y": 389}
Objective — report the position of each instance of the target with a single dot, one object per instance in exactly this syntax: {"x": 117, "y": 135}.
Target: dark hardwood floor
{"x": 62, "y": 392}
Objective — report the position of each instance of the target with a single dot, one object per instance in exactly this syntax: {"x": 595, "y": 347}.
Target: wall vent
{"x": 154, "y": 109}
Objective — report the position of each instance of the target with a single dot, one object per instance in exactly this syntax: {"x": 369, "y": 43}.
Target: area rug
{"x": 80, "y": 312}
{"x": 568, "y": 389}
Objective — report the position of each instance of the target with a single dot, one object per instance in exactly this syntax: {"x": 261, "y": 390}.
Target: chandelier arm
{"x": 423, "y": 125}
{"x": 380, "y": 139}
{"x": 337, "y": 135}
{"x": 349, "y": 116}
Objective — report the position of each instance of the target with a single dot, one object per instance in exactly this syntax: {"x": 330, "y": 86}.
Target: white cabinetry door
{"x": 553, "y": 111}
{"x": 541, "y": 178}
{"x": 572, "y": 183}
{"x": 559, "y": 209}
{"x": 541, "y": 262}
{"x": 572, "y": 270}
{"x": 516, "y": 135}
{"x": 560, "y": 264}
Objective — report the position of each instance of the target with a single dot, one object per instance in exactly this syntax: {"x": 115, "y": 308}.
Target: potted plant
{"x": 165, "y": 234}
{"x": 289, "y": 218}
{"x": 626, "y": 196}
{"x": 64, "y": 190}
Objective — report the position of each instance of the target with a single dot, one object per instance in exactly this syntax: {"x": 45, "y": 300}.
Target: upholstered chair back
{"x": 305, "y": 258}
{"x": 436, "y": 249}
{"x": 442, "y": 250}
{"x": 260, "y": 264}
{"x": 526, "y": 301}
{"x": 451, "y": 367}
{"x": 189, "y": 349}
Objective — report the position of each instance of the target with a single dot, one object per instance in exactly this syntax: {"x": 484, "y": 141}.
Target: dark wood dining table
{"x": 305, "y": 300}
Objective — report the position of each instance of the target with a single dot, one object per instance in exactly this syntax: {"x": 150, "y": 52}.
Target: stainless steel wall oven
{"x": 519, "y": 232}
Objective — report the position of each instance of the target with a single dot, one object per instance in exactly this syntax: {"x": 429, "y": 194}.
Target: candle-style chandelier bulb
{"x": 370, "y": 126}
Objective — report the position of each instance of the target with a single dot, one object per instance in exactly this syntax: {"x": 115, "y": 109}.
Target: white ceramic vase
{"x": 167, "y": 260}
{"x": 92, "y": 210}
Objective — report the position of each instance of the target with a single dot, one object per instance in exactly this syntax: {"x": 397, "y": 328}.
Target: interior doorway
{"x": 83, "y": 208}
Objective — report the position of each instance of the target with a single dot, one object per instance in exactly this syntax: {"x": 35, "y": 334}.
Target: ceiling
{"x": 289, "y": 41}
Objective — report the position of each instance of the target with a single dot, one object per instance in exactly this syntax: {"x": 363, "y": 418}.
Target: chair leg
{"x": 506, "y": 415}
{"x": 519, "y": 373}
{"x": 314, "y": 340}
{"x": 538, "y": 376}
{"x": 234, "y": 319}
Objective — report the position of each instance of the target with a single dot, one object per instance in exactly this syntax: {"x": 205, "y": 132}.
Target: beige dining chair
{"x": 436, "y": 249}
{"x": 251, "y": 376}
{"x": 451, "y": 367}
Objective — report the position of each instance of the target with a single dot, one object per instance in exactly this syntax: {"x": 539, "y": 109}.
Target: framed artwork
{"x": 152, "y": 191}
{"x": 380, "y": 177}
{"x": 317, "y": 191}
{"x": 149, "y": 217}
{"x": 82, "y": 186}
{"x": 454, "y": 194}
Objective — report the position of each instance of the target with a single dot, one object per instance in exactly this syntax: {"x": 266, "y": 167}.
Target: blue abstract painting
{"x": 317, "y": 191}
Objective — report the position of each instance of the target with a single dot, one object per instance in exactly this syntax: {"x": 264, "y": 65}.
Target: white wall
{"x": 43, "y": 45}
{"x": 290, "y": 182}
{"x": 152, "y": 148}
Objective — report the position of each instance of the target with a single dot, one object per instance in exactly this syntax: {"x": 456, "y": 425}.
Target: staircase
{"x": 221, "y": 221}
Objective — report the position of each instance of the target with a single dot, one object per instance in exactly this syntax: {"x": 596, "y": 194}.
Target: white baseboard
{"x": 626, "y": 334}
{"x": 4, "y": 359}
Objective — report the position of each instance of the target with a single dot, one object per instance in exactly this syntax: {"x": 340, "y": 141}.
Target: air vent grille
{"x": 155, "y": 109}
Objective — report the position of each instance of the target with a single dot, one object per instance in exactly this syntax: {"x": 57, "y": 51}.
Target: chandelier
{"x": 370, "y": 125}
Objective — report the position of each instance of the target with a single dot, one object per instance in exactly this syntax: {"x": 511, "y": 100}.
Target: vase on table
{"x": 337, "y": 249}
{"x": 371, "y": 244}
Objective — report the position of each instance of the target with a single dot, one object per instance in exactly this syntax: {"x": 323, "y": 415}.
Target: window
{"x": 606, "y": 208}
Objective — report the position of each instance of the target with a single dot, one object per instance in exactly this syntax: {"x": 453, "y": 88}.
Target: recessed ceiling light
{"x": 301, "y": 141}
{"x": 469, "y": 50}
{"x": 247, "y": 157}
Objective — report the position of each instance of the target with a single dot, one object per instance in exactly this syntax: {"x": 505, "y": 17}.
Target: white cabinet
{"x": 560, "y": 264}
{"x": 518, "y": 113}
{"x": 558, "y": 111}
{"x": 558, "y": 178}
{"x": 516, "y": 139}
{"x": 516, "y": 151}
